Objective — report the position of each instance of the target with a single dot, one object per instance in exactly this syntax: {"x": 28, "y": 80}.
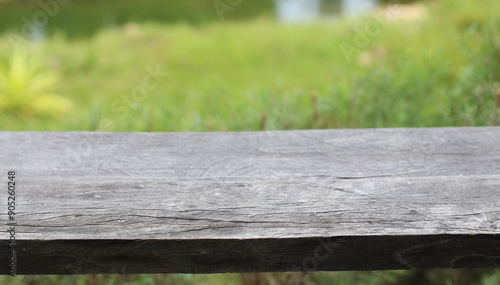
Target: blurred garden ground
{"x": 176, "y": 66}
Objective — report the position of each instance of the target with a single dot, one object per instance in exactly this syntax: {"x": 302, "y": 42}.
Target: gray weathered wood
{"x": 253, "y": 201}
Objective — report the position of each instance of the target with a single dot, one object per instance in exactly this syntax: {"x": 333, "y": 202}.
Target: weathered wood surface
{"x": 253, "y": 201}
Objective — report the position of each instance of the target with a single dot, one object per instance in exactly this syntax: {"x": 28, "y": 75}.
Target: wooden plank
{"x": 361, "y": 199}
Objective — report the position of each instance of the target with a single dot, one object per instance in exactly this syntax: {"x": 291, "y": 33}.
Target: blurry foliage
{"x": 26, "y": 89}
{"x": 438, "y": 70}
{"x": 69, "y": 17}
{"x": 83, "y": 18}
{"x": 388, "y": 277}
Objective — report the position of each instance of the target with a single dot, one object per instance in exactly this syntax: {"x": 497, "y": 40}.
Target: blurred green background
{"x": 156, "y": 65}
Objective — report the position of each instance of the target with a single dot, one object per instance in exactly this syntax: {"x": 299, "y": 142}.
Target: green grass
{"x": 259, "y": 74}
{"x": 437, "y": 277}
{"x": 255, "y": 74}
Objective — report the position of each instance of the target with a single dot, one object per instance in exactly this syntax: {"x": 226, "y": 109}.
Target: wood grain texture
{"x": 253, "y": 201}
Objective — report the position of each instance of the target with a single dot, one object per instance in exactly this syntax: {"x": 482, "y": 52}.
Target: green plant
{"x": 26, "y": 89}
